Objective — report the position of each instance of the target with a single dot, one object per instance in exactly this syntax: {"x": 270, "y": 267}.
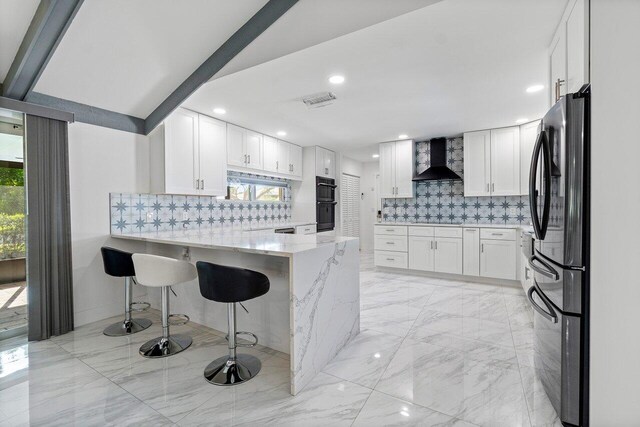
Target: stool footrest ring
{"x": 140, "y": 306}
{"x": 182, "y": 319}
{"x": 253, "y": 344}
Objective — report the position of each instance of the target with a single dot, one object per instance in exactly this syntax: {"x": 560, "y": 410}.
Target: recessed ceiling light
{"x": 535, "y": 88}
{"x": 282, "y": 133}
{"x": 219, "y": 110}
{"x": 403, "y": 136}
{"x": 522, "y": 120}
{"x": 375, "y": 156}
{"x": 336, "y": 80}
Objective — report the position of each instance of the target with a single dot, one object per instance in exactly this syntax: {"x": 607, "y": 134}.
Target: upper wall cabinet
{"x": 188, "y": 155}
{"x": 256, "y": 153}
{"x": 569, "y": 51}
{"x": 325, "y": 163}
{"x": 492, "y": 162}
{"x": 396, "y": 169}
{"x": 528, "y": 136}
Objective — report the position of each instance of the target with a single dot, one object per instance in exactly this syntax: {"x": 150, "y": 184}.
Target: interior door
{"x": 477, "y": 163}
{"x": 181, "y": 133}
{"x": 253, "y": 150}
{"x": 235, "y": 145}
{"x": 212, "y": 155}
{"x": 505, "y": 161}
{"x": 270, "y": 157}
{"x": 387, "y": 170}
{"x": 404, "y": 168}
{"x": 421, "y": 253}
{"x": 448, "y": 255}
{"x": 350, "y": 205}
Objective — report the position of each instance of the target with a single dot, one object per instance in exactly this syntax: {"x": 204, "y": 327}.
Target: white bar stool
{"x": 162, "y": 272}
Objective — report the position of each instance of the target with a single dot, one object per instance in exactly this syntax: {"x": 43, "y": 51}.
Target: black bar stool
{"x": 231, "y": 285}
{"x": 118, "y": 263}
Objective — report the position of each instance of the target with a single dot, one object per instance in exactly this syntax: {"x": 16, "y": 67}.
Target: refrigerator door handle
{"x": 547, "y": 272}
{"x": 533, "y": 193}
{"x": 551, "y": 316}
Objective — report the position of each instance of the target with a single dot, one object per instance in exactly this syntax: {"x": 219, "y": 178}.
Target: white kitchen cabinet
{"x": 280, "y": 157}
{"x": 270, "y": 154}
{"x": 448, "y": 255}
{"x": 244, "y": 148}
{"x": 477, "y": 163}
{"x": 528, "y": 136}
{"x": 396, "y": 169}
{"x": 558, "y": 83}
{"x": 295, "y": 158}
{"x": 471, "y": 252}
{"x": 421, "y": 253}
{"x": 492, "y": 162}
{"x": 325, "y": 163}
{"x": 505, "y": 161}
{"x": 576, "y": 47}
{"x": 498, "y": 259}
{"x": 188, "y": 155}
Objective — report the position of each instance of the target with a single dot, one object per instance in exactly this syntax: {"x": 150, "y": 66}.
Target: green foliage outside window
{"x": 12, "y": 209}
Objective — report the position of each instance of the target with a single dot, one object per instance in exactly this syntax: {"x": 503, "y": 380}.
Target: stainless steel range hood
{"x": 438, "y": 169}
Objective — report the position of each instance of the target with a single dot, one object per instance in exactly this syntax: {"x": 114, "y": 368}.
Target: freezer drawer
{"x": 557, "y": 356}
{"x": 562, "y": 286}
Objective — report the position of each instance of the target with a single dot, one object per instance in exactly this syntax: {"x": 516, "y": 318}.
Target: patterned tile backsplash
{"x": 134, "y": 213}
{"x": 444, "y": 201}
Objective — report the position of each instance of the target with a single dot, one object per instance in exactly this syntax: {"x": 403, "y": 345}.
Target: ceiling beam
{"x": 88, "y": 114}
{"x": 49, "y": 23}
{"x": 255, "y": 26}
{"x": 35, "y": 110}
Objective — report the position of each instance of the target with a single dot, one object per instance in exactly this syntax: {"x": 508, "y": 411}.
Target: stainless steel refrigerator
{"x": 559, "y": 202}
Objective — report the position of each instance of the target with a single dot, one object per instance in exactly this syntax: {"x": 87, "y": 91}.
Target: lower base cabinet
{"x": 421, "y": 255}
{"x": 439, "y": 254}
{"x": 390, "y": 259}
{"x": 498, "y": 259}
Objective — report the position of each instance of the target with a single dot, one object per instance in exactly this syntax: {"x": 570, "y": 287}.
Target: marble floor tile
{"x": 470, "y": 303}
{"x": 447, "y": 381}
{"x": 402, "y": 293}
{"x": 395, "y": 319}
{"x": 364, "y": 359}
{"x": 384, "y": 410}
{"x": 541, "y": 411}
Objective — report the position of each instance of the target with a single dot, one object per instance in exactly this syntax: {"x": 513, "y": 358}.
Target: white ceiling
{"x": 454, "y": 66}
{"x": 15, "y": 17}
{"x": 128, "y": 56}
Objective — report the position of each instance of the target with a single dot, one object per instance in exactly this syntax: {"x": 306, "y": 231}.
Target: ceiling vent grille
{"x": 318, "y": 100}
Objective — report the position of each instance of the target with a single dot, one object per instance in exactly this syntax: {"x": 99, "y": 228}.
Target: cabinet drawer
{"x": 497, "y": 234}
{"x": 455, "y": 232}
{"x": 395, "y": 230}
{"x": 391, "y": 243}
{"x": 306, "y": 229}
{"x": 421, "y": 231}
{"x": 390, "y": 259}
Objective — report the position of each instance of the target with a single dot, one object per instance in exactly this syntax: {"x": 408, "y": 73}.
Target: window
{"x": 244, "y": 189}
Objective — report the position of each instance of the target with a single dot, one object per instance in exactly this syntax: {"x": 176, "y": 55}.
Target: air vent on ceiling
{"x": 319, "y": 99}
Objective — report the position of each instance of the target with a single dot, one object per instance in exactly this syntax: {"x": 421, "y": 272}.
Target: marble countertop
{"x": 525, "y": 227}
{"x": 263, "y": 241}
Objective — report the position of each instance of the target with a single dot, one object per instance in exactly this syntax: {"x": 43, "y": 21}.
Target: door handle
{"x": 549, "y": 272}
{"x": 549, "y": 316}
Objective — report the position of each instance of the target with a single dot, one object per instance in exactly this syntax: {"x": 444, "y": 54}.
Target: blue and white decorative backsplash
{"x": 444, "y": 201}
{"x": 136, "y": 213}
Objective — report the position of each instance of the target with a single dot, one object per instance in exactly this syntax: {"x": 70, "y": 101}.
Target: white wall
{"x": 615, "y": 191}
{"x": 101, "y": 161}
{"x": 370, "y": 202}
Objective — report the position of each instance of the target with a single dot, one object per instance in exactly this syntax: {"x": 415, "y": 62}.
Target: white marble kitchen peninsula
{"x": 312, "y": 309}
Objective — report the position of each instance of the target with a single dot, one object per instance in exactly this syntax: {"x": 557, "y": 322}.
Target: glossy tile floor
{"x": 431, "y": 352}
{"x": 13, "y": 306}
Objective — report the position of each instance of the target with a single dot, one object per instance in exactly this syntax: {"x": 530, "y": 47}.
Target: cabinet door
{"x": 421, "y": 253}
{"x": 282, "y": 158}
{"x": 505, "y": 161}
{"x": 477, "y": 163}
{"x": 212, "y": 156}
{"x": 448, "y": 255}
{"x": 270, "y": 156}
{"x": 330, "y": 163}
{"x": 559, "y": 64}
{"x": 498, "y": 259}
{"x": 181, "y": 133}
{"x": 404, "y": 168}
{"x": 387, "y": 170}
{"x": 253, "y": 150}
{"x": 235, "y": 145}
{"x": 528, "y": 135}
{"x": 575, "y": 48}
{"x": 321, "y": 169}
{"x": 471, "y": 252}
{"x": 295, "y": 158}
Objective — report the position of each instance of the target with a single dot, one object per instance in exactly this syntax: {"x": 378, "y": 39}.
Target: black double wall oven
{"x": 325, "y": 203}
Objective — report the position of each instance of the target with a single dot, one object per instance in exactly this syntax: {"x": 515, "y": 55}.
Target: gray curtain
{"x": 49, "y": 271}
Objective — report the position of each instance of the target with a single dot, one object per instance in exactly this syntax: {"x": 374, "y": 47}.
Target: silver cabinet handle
{"x": 558, "y": 83}
{"x": 432, "y": 244}
{"x": 326, "y": 171}
{"x": 482, "y": 248}
{"x": 470, "y": 230}
{"x": 493, "y": 187}
{"x": 496, "y": 234}
{"x": 436, "y": 242}
{"x": 277, "y": 165}
{"x": 203, "y": 184}
{"x": 391, "y": 243}
{"x": 389, "y": 230}
{"x": 390, "y": 259}
{"x": 197, "y": 184}
{"x": 487, "y": 187}
{"x": 245, "y": 159}
{"x": 249, "y": 156}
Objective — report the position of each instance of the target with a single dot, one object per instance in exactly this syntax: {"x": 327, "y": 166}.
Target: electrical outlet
{"x": 513, "y": 212}
{"x": 150, "y": 216}
{"x": 185, "y": 216}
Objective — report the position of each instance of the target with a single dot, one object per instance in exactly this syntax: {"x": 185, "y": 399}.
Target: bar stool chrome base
{"x": 163, "y": 347}
{"x": 127, "y": 327}
{"x": 228, "y": 371}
